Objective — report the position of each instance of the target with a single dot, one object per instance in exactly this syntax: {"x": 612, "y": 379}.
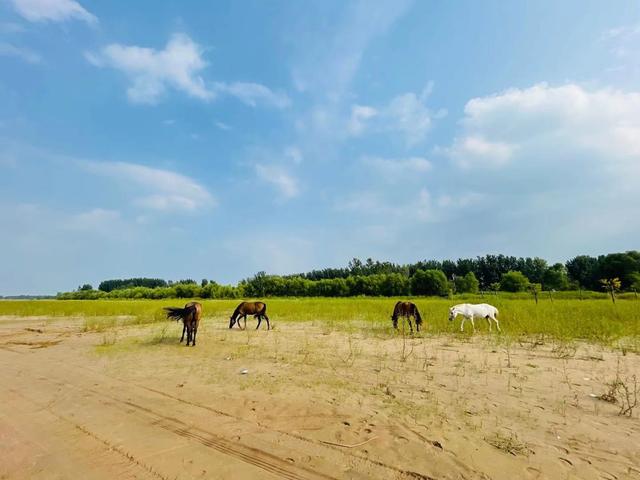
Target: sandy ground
{"x": 315, "y": 404}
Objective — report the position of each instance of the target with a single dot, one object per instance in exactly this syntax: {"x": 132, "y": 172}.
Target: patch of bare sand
{"x": 315, "y": 403}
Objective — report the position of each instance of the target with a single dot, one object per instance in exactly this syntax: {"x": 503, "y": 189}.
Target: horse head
{"x": 232, "y": 321}
{"x": 452, "y": 314}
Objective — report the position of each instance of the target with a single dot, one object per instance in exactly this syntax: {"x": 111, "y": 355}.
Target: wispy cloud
{"x": 406, "y": 114}
{"x": 164, "y": 190}
{"x": 294, "y": 154}
{"x": 254, "y": 94}
{"x": 11, "y": 28}
{"x": 280, "y": 178}
{"x": 25, "y": 54}
{"x": 152, "y": 71}
{"x": 393, "y": 169}
{"x": 97, "y": 220}
{"x": 328, "y": 63}
{"x": 376, "y": 203}
{"x": 178, "y": 66}
{"x": 360, "y": 114}
{"x": 53, "y": 11}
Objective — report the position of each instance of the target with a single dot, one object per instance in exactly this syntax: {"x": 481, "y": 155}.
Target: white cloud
{"x": 406, "y": 114}
{"x": 152, "y": 71}
{"x": 286, "y": 184}
{"x": 545, "y": 125}
{"x": 397, "y": 168}
{"x": 164, "y": 190}
{"x": 53, "y": 10}
{"x": 179, "y": 66}
{"x": 222, "y": 125}
{"x": 359, "y": 116}
{"x": 471, "y": 151}
{"x": 253, "y": 94}
{"x": 9, "y": 50}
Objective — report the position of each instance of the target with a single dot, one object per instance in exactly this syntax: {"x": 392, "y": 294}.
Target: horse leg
{"x": 259, "y": 317}
{"x": 195, "y": 330}
{"x": 410, "y": 326}
{"x": 473, "y": 324}
{"x": 184, "y": 329}
{"x": 489, "y": 322}
{"x": 462, "y": 324}
{"x": 245, "y": 321}
{"x": 267, "y": 319}
{"x": 497, "y": 324}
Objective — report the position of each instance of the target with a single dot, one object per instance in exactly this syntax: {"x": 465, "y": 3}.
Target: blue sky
{"x": 190, "y": 139}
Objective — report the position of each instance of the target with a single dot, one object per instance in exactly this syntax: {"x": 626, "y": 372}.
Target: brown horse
{"x": 257, "y": 309}
{"x": 406, "y": 310}
{"x": 190, "y": 316}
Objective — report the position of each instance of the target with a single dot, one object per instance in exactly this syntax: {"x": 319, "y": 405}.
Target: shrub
{"x": 429, "y": 282}
{"x": 514, "y": 281}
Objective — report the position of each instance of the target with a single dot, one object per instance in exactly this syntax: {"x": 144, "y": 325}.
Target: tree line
{"x": 374, "y": 278}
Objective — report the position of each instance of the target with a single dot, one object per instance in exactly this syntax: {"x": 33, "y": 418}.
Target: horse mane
{"x": 237, "y": 310}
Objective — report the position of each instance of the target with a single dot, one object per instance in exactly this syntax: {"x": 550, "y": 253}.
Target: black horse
{"x": 406, "y": 310}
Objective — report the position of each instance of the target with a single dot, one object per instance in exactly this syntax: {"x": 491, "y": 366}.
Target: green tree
{"x": 583, "y": 269}
{"x": 467, "y": 283}
{"x": 555, "y": 278}
{"x": 513, "y": 281}
{"x": 85, "y": 287}
{"x": 429, "y": 282}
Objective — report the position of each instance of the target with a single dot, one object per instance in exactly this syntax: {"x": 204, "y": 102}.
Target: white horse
{"x": 469, "y": 311}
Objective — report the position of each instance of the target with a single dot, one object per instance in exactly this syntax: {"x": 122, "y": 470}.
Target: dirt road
{"x": 314, "y": 405}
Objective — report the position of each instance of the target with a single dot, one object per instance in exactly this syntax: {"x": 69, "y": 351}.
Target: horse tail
{"x": 177, "y": 314}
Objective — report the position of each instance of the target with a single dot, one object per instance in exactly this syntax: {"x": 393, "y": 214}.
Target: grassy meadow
{"x": 595, "y": 320}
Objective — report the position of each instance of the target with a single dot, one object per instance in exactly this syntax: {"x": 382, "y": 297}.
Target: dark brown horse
{"x": 190, "y": 316}
{"x": 406, "y": 310}
{"x": 257, "y": 309}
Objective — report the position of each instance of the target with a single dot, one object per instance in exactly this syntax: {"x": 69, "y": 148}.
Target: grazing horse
{"x": 469, "y": 311}
{"x": 190, "y": 316}
{"x": 406, "y": 310}
{"x": 257, "y": 309}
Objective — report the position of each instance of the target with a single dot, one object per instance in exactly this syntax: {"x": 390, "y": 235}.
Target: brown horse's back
{"x": 252, "y": 308}
{"x": 197, "y": 310}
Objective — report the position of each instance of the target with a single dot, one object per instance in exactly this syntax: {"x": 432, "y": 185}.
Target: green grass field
{"x": 591, "y": 320}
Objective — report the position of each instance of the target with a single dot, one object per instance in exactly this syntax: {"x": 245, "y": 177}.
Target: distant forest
{"x": 606, "y": 273}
